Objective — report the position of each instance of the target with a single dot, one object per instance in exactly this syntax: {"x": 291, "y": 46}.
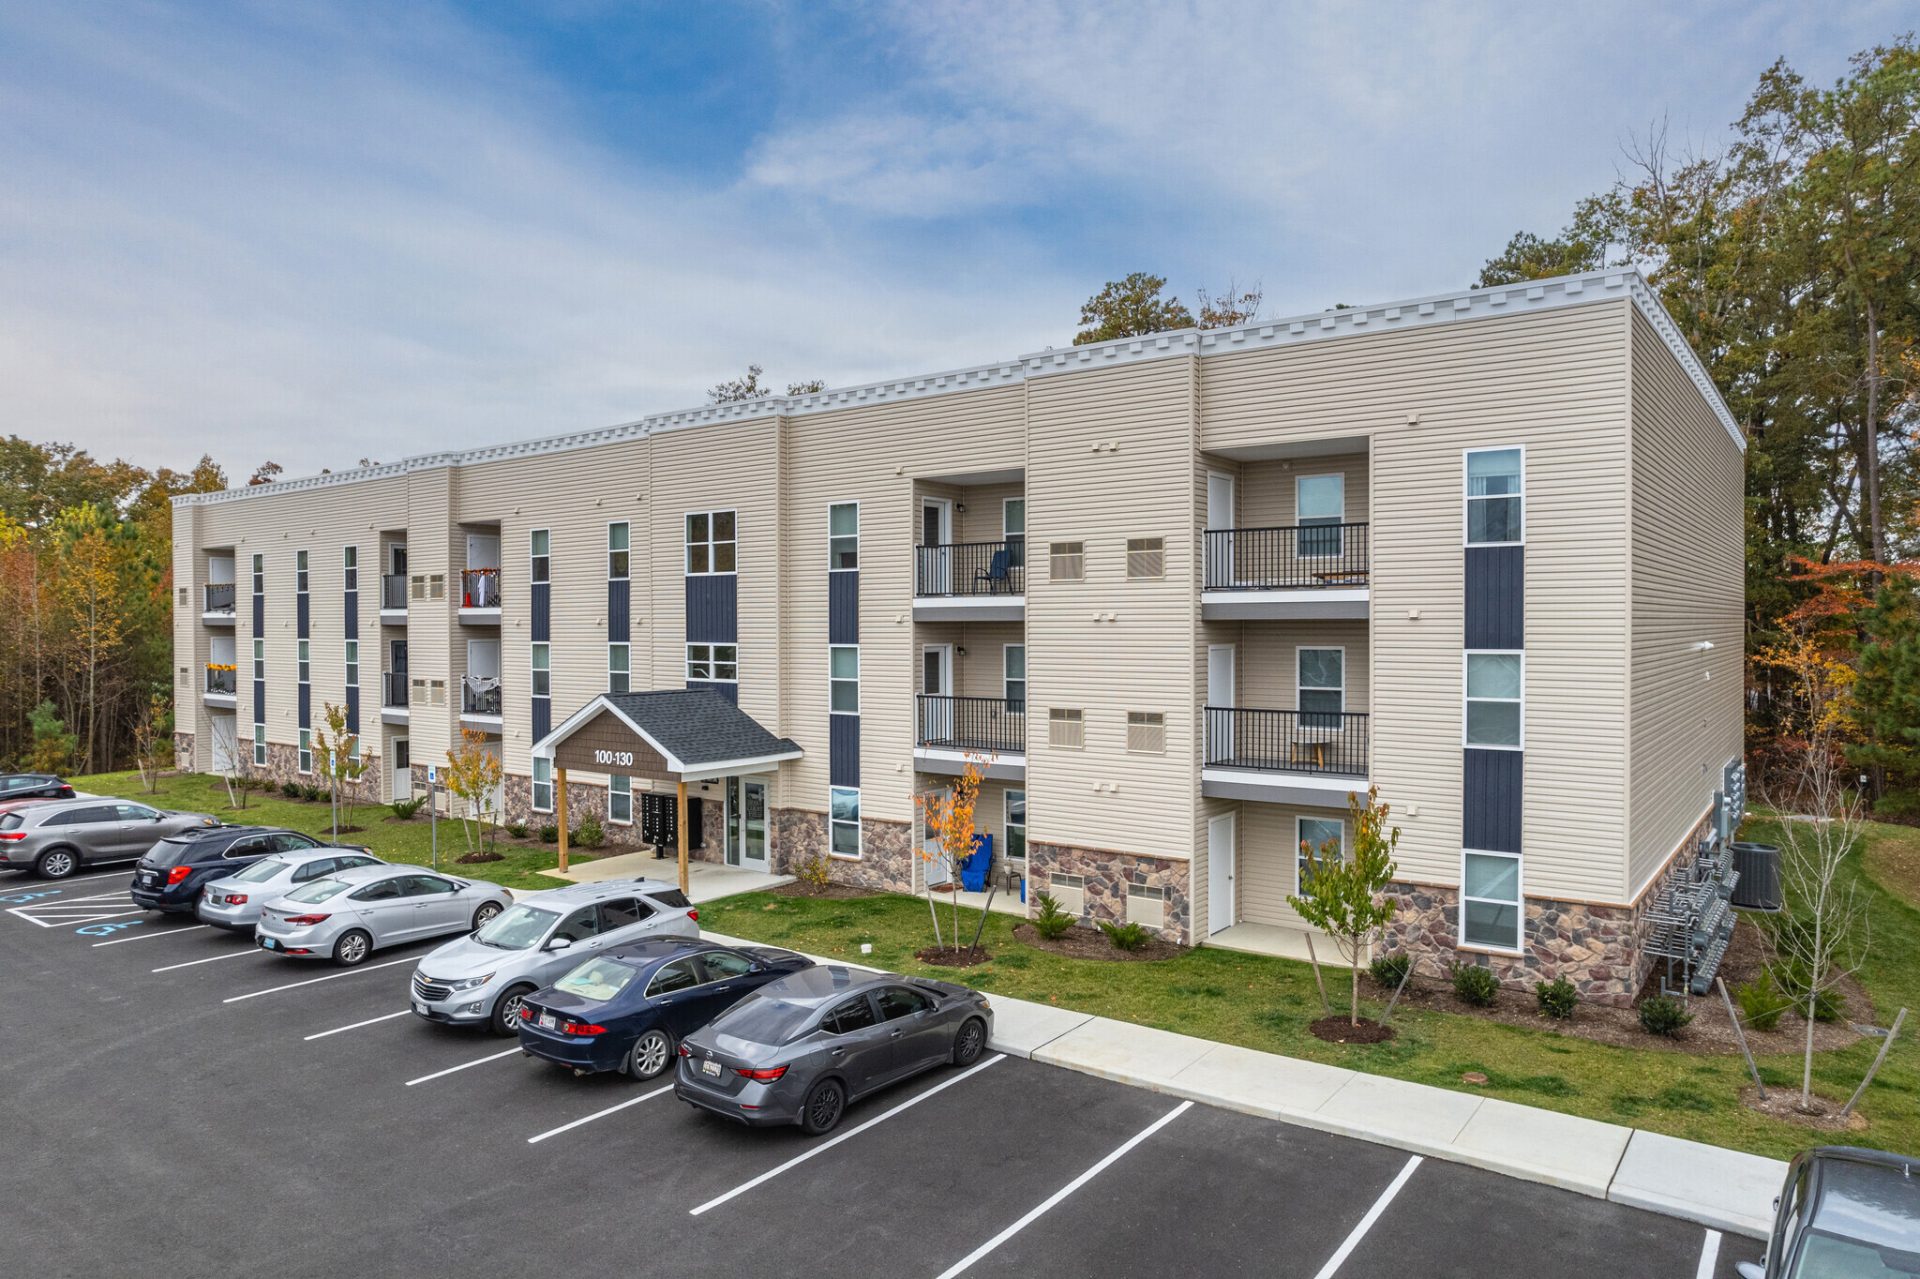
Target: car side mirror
{"x": 756, "y": 968}
{"x": 560, "y": 943}
{"x": 1749, "y": 1270}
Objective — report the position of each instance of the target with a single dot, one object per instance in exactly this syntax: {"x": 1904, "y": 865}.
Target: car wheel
{"x": 353, "y": 948}
{"x": 823, "y": 1107}
{"x": 650, "y": 1055}
{"x": 57, "y": 863}
{"x": 484, "y": 916}
{"x": 506, "y": 1010}
{"x": 970, "y": 1042}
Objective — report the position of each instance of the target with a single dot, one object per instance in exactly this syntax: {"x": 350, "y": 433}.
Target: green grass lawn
{"x": 1267, "y": 1003}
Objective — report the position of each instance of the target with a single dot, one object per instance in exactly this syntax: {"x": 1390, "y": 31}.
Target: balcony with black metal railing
{"x": 1318, "y": 744}
{"x": 1304, "y": 571}
{"x": 949, "y": 729}
{"x": 393, "y": 598}
{"x": 480, "y": 697}
{"x": 480, "y": 595}
{"x": 217, "y": 603}
{"x": 223, "y": 682}
{"x": 979, "y": 581}
{"x": 394, "y": 689}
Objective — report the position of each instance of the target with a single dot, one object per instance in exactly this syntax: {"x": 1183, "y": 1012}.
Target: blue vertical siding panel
{"x": 541, "y": 614}
{"x": 729, "y": 691}
{"x": 259, "y": 616}
{"x": 306, "y": 706}
{"x": 844, "y": 747}
{"x": 302, "y": 616}
{"x": 619, "y": 617}
{"x": 1490, "y": 813}
{"x": 542, "y": 717}
{"x": 353, "y": 710}
{"x": 1496, "y": 588}
{"x": 713, "y": 612}
{"x": 259, "y": 702}
{"x": 351, "y": 616}
{"x": 843, "y": 607}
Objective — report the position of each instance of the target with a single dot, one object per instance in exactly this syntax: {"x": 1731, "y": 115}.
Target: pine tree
{"x": 1887, "y": 698}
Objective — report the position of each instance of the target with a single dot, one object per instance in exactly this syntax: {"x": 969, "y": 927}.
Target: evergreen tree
{"x": 1887, "y": 698}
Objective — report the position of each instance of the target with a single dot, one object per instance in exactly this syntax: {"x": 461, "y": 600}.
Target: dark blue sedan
{"x": 628, "y": 1007}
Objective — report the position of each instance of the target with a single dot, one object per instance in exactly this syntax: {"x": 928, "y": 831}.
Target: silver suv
{"x": 482, "y": 978}
{"x": 58, "y": 838}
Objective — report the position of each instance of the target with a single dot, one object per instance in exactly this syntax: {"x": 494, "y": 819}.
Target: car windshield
{"x": 319, "y": 890}
{"x": 171, "y": 852}
{"x": 763, "y": 1021}
{"x": 261, "y": 871}
{"x": 597, "y": 979}
{"x": 516, "y": 928}
{"x": 1826, "y": 1256}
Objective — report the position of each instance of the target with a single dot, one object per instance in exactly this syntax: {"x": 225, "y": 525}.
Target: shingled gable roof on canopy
{"x": 687, "y": 734}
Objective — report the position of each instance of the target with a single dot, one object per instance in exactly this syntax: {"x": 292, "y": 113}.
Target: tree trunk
{"x": 1874, "y": 525}
{"x": 1353, "y": 1005}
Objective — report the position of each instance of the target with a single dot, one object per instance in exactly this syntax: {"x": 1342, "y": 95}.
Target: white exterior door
{"x": 1219, "y": 516}
{"x": 936, "y": 546}
{"x": 753, "y": 823}
{"x": 224, "y": 747}
{"x": 1221, "y": 693}
{"x": 1220, "y": 872}
{"x": 402, "y": 769}
{"x": 936, "y": 681}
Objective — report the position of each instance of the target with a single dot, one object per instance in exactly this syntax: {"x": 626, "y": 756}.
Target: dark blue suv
{"x": 169, "y": 877}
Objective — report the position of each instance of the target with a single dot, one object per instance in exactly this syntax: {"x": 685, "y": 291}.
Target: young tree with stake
{"x": 1344, "y": 897}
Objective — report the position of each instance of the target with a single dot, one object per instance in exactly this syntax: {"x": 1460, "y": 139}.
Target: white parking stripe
{"x": 144, "y": 936}
{"x": 1047, "y": 1205}
{"x": 211, "y": 959}
{"x": 1709, "y": 1255}
{"x": 1366, "y": 1223}
{"x": 294, "y": 985}
{"x": 83, "y": 879}
{"x": 599, "y": 1114}
{"x": 831, "y": 1142}
{"x": 454, "y": 1070}
{"x": 340, "y": 1030}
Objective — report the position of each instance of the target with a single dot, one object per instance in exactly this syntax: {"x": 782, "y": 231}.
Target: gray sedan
{"x": 236, "y": 901}
{"x": 798, "y": 1050}
{"x": 60, "y": 837}
{"x": 348, "y": 915}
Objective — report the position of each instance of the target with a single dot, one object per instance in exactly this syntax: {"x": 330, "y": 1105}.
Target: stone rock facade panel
{"x": 1108, "y": 875}
{"x": 885, "y": 863}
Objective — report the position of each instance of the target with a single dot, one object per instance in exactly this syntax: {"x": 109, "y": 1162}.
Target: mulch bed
{"x": 1338, "y": 1029}
{"x": 468, "y": 859}
{"x": 1784, "y": 1103}
{"x": 831, "y": 892}
{"x": 1090, "y": 943}
{"x": 950, "y": 957}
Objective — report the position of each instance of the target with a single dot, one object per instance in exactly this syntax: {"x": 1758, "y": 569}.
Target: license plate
{"x": 710, "y": 1068}
{"x": 547, "y": 1021}
{"x": 268, "y": 943}
{"x": 419, "y": 1007}
{"x": 147, "y": 878}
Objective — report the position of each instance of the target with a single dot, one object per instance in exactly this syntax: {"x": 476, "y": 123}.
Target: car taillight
{"x": 685, "y": 1051}
{"x": 11, "y": 835}
{"x": 762, "y": 1076}
{"x": 306, "y": 919}
{"x": 693, "y": 914}
{"x": 178, "y": 875}
{"x": 526, "y": 1013}
{"x": 581, "y": 1028}
{"x": 235, "y": 899}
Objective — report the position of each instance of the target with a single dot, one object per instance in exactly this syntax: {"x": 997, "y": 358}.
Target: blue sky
{"x": 314, "y": 232}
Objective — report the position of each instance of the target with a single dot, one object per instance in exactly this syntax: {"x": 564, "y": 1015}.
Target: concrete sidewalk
{"x": 1723, "y": 1189}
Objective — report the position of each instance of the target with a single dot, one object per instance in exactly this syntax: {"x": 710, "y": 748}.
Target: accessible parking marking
{"x": 145, "y": 936}
{"x": 211, "y": 959}
{"x": 341, "y": 1030}
{"x": 831, "y": 1142}
{"x": 454, "y": 1070}
{"x": 295, "y": 985}
{"x": 1359, "y": 1232}
{"x": 598, "y": 1114}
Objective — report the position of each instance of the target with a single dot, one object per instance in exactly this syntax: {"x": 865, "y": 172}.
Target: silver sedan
{"x": 236, "y": 901}
{"x": 347, "y": 916}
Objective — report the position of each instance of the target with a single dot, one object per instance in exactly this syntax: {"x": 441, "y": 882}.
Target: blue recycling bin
{"x": 973, "y": 871}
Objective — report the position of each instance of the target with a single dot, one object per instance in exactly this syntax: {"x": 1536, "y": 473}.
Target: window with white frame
{"x": 1016, "y": 824}
{"x": 620, "y": 801}
{"x": 619, "y": 551}
{"x": 353, "y": 663}
{"x": 542, "y": 800}
{"x": 260, "y": 745}
{"x": 353, "y": 748}
{"x": 306, "y": 751}
{"x": 350, "y": 568}
{"x": 1496, "y": 713}
{"x": 259, "y": 659}
{"x": 1311, "y": 837}
{"x": 542, "y": 682}
{"x": 1066, "y": 727}
{"x": 1490, "y": 912}
{"x": 1146, "y": 557}
{"x": 1013, "y": 529}
{"x": 1066, "y": 561}
{"x": 1013, "y": 661}
{"x": 843, "y": 536}
{"x": 1322, "y": 688}
{"x": 710, "y": 542}
{"x": 300, "y": 572}
{"x": 843, "y": 679}
{"x": 540, "y": 554}
{"x": 844, "y": 820}
{"x": 259, "y": 575}
{"x": 1320, "y": 506}
{"x": 1146, "y": 732}
{"x": 713, "y": 662}
{"x": 1496, "y": 497}
{"x": 619, "y": 656}
{"x": 305, "y": 659}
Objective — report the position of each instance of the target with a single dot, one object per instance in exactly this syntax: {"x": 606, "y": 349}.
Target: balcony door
{"x": 402, "y": 769}
{"x": 1221, "y": 682}
{"x": 936, "y": 546}
{"x": 1220, "y": 507}
{"x": 225, "y": 748}
{"x": 1221, "y": 835}
{"x": 936, "y": 681}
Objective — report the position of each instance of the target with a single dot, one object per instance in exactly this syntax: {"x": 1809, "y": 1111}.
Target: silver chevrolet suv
{"x": 61, "y": 837}
{"x": 481, "y": 978}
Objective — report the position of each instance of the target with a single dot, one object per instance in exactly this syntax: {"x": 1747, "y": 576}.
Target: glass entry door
{"x": 747, "y": 822}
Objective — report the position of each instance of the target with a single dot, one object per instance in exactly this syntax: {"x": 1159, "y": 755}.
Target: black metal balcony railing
{"x": 479, "y": 699}
{"x": 970, "y": 568}
{"x": 393, "y": 592}
{"x": 1287, "y": 741}
{"x": 1303, "y": 556}
{"x": 393, "y": 688}
{"x": 222, "y": 680}
{"x": 480, "y": 588}
{"x": 219, "y": 597}
{"x": 992, "y": 725}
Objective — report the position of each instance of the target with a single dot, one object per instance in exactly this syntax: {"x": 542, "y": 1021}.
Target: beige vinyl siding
{"x": 1141, "y": 485}
{"x": 1267, "y": 665}
{"x": 1267, "y": 492}
{"x": 1555, "y": 383}
{"x": 979, "y": 672}
{"x": 984, "y": 520}
{"x": 872, "y": 455}
{"x": 1688, "y": 587}
{"x": 1268, "y": 860}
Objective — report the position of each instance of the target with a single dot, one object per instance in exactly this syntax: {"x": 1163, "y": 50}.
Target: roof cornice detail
{"x": 1469, "y": 304}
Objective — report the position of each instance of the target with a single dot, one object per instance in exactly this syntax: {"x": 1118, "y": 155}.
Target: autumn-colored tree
{"x": 948, "y": 814}
{"x": 1345, "y": 897}
{"x": 1131, "y": 307}
{"x": 474, "y": 774}
{"x": 338, "y": 760}
{"x": 153, "y": 740}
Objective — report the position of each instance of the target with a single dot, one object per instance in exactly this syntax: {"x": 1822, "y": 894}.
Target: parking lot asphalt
{"x": 181, "y": 1104}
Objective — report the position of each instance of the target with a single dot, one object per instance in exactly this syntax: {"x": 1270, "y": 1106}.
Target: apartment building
{"x": 1185, "y": 593}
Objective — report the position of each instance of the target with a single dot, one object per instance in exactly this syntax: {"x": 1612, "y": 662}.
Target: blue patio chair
{"x": 997, "y": 575}
{"x": 973, "y": 871}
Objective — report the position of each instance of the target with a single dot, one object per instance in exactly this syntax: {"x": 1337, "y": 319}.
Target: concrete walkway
{"x": 706, "y": 881}
{"x": 1723, "y": 1189}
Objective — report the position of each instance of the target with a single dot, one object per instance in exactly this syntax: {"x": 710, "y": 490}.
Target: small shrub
{"x": 312, "y": 794}
{"x": 1052, "y": 922}
{"x": 549, "y": 834}
{"x": 517, "y": 829}
{"x": 404, "y": 809}
{"x": 813, "y": 872}
{"x": 1791, "y": 977}
{"x": 1761, "y": 1001}
{"x": 1475, "y": 985}
{"x": 1557, "y": 997}
{"x": 1663, "y": 1016}
{"x": 588, "y": 833}
{"x": 290, "y": 789}
{"x": 1390, "y": 970}
{"x": 1127, "y": 936}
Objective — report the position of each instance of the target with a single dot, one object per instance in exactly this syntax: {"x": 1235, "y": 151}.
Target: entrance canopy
{"x": 674, "y": 735}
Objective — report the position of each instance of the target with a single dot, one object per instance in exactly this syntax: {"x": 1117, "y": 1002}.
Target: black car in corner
{"x": 1845, "y": 1211}
{"x": 171, "y": 874}
{"x": 33, "y": 786}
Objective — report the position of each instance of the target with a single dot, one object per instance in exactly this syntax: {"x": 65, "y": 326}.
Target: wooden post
{"x": 1874, "y": 1069}
{"x": 680, "y": 828}
{"x": 560, "y": 780}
